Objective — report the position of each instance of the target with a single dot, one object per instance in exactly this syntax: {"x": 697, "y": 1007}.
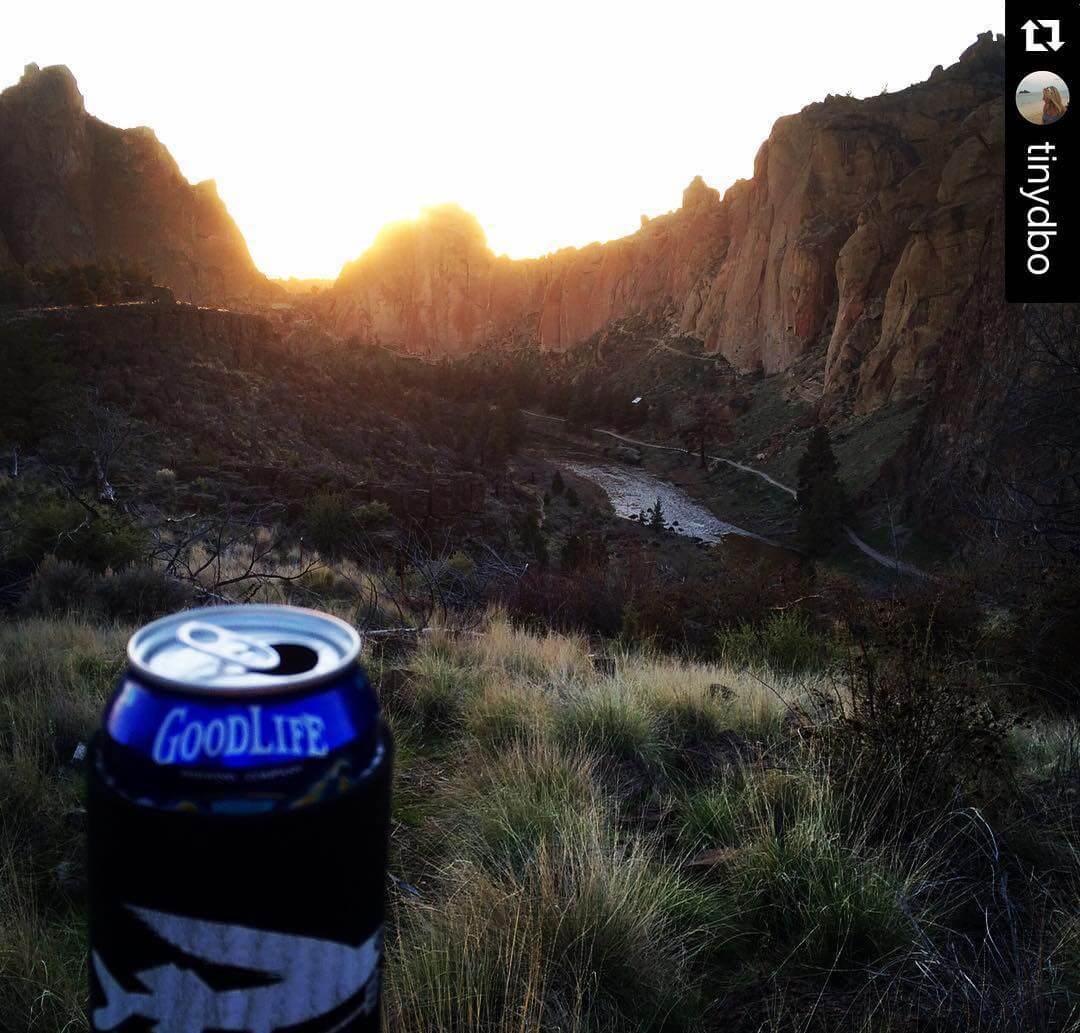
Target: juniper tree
{"x": 35, "y": 389}
{"x": 583, "y": 551}
{"x": 532, "y": 538}
{"x": 707, "y": 422}
{"x": 823, "y": 503}
{"x": 656, "y": 516}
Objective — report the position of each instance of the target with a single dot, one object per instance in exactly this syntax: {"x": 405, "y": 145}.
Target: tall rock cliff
{"x": 860, "y": 233}
{"x": 76, "y": 191}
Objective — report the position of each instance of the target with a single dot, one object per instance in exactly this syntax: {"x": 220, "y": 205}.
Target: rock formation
{"x": 858, "y": 237}
{"x": 75, "y": 191}
{"x": 860, "y": 233}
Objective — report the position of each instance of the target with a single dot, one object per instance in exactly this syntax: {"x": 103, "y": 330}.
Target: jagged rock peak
{"x": 54, "y": 86}
{"x": 445, "y": 229}
{"x": 77, "y": 191}
{"x": 699, "y": 193}
{"x": 985, "y": 45}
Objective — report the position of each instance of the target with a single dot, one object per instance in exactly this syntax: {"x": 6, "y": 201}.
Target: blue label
{"x": 227, "y": 733}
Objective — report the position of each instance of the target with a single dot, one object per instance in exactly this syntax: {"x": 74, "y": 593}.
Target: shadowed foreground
{"x": 627, "y": 841}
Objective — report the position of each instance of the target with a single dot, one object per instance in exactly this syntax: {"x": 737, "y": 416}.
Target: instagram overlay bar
{"x": 1042, "y": 163}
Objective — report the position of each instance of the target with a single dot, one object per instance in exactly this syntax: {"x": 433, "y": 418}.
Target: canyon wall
{"x": 857, "y": 238}
{"x": 75, "y": 191}
{"x": 861, "y": 232}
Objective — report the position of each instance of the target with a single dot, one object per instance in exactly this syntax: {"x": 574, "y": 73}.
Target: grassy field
{"x": 590, "y": 839}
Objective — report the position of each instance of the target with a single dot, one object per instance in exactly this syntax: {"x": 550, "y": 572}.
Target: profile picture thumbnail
{"x": 1042, "y": 98}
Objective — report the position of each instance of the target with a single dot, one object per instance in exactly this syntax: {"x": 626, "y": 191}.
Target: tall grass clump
{"x": 54, "y": 677}
{"x": 1045, "y": 749}
{"x": 42, "y": 955}
{"x": 592, "y": 935}
{"x": 784, "y": 643}
{"x": 695, "y": 703}
{"x": 505, "y": 808}
{"x": 612, "y": 723}
{"x": 439, "y": 685}
{"x": 550, "y": 659}
{"x": 503, "y": 714}
{"x": 812, "y": 887}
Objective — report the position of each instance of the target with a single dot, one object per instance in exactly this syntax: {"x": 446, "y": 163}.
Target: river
{"x": 632, "y": 491}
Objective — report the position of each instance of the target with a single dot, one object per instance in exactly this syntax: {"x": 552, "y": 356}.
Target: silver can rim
{"x": 281, "y": 686}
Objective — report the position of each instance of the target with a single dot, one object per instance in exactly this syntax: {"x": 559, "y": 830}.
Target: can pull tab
{"x": 227, "y": 645}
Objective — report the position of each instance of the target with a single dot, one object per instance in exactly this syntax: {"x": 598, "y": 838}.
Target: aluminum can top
{"x": 246, "y": 651}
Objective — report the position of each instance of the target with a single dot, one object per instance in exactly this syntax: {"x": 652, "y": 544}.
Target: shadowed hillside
{"x": 79, "y": 192}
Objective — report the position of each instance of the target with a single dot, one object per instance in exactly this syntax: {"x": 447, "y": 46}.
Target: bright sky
{"x": 555, "y": 122}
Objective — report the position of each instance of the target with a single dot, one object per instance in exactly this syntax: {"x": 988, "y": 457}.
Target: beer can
{"x": 238, "y": 813}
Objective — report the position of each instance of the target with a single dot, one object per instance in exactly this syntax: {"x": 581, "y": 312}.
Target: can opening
{"x": 295, "y": 659}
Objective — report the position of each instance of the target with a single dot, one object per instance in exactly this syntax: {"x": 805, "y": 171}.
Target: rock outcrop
{"x": 861, "y": 232}
{"x": 75, "y": 191}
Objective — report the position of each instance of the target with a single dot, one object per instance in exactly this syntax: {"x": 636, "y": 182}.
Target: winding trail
{"x": 712, "y": 359}
{"x": 898, "y": 567}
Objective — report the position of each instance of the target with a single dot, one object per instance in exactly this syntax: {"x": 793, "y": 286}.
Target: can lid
{"x": 243, "y": 649}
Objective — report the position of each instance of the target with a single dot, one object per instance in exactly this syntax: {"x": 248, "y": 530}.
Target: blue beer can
{"x": 240, "y": 708}
{"x": 238, "y": 813}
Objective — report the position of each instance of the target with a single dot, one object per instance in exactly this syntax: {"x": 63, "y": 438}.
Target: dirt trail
{"x": 713, "y": 359}
{"x": 895, "y": 565}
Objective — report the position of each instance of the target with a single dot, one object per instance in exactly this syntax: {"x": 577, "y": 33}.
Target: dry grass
{"x": 54, "y": 676}
{"x": 591, "y": 934}
{"x": 545, "y": 821}
{"x": 707, "y": 696}
{"x": 42, "y": 956}
{"x": 551, "y": 660}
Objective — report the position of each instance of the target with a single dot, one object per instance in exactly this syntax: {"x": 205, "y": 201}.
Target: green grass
{"x": 54, "y": 676}
{"x": 611, "y": 722}
{"x": 784, "y": 643}
{"x": 502, "y": 715}
{"x": 505, "y": 811}
{"x": 812, "y": 889}
{"x": 439, "y": 688}
{"x": 593, "y": 934}
{"x": 650, "y": 846}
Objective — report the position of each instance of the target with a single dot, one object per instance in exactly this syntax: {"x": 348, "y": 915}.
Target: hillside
{"x": 76, "y": 192}
{"x": 719, "y": 584}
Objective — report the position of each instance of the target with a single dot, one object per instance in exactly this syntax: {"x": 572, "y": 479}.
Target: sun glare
{"x": 555, "y": 126}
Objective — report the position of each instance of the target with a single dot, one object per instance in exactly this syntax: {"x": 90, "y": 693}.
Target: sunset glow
{"x": 556, "y": 124}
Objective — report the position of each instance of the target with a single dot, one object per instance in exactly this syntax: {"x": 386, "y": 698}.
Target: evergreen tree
{"x": 532, "y": 537}
{"x": 656, "y": 516}
{"x": 707, "y": 423}
{"x": 558, "y": 485}
{"x": 572, "y": 553}
{"x": 512, "y": 424}
{"x": 79, "y": 292}
{"x": 823, "y": 503}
